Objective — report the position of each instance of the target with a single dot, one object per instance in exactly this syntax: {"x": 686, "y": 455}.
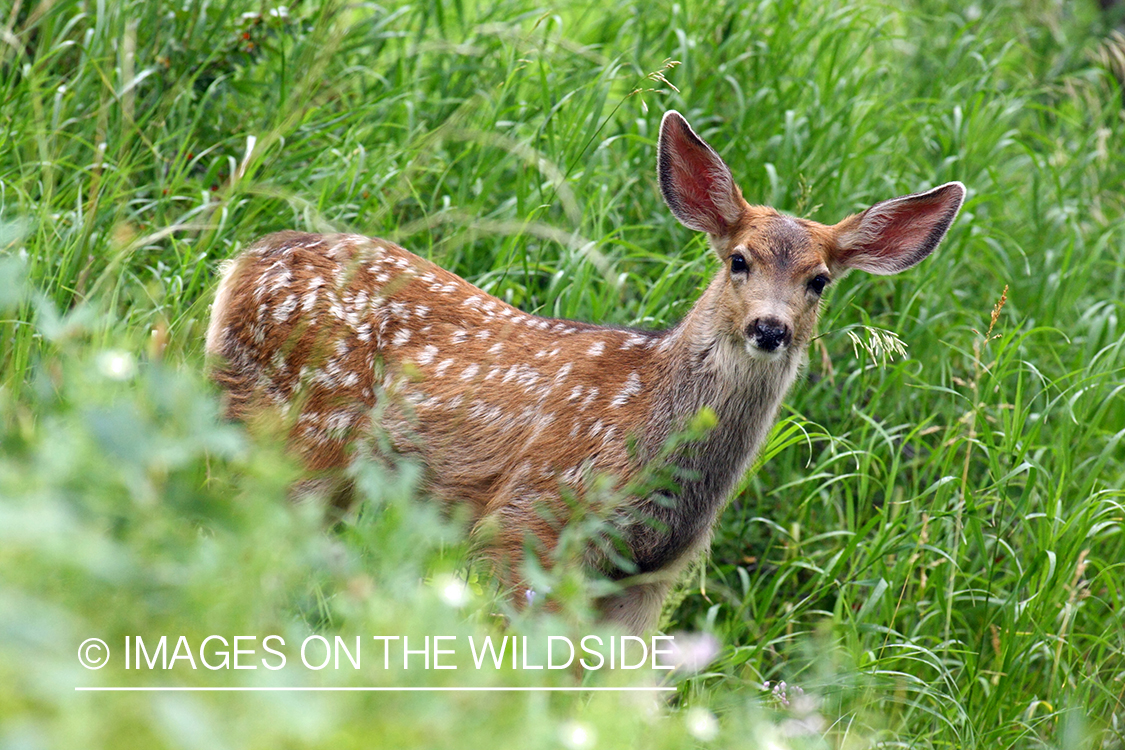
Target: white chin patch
{"x": 759, "y": 353}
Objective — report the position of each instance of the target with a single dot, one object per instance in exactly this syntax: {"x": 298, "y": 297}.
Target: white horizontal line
{"x": 371, "y": 689}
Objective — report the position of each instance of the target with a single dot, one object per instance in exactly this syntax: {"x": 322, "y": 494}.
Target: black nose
{"x": 770, "y": 333}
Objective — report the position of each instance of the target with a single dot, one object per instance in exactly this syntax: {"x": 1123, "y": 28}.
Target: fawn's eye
{"x": 817, "y": 283}
{"x": 738, "y": 264}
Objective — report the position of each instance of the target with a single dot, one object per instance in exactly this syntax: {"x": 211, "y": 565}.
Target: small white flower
{"x": 577, "y": 736}
{"x": 454, "y": 591}
{"x": 117, "y": 365}
{"x": 692, "y": 652}
{"x": 811, "y": 725}
{"x": 701, "y": 724}
{"x": 531, "y": 595}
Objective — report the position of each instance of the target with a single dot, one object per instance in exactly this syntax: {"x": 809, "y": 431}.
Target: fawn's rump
{"x": 341, "y": 335}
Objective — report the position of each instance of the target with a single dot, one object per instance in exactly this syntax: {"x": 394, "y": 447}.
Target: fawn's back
{"x": 500, "y": 404}
{"x": 347, "y": 337}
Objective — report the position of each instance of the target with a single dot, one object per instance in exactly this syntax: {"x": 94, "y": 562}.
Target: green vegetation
{"x": 934, "y": 549}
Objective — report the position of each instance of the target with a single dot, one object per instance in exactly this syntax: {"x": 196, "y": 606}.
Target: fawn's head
{"x": 776, "y": 267}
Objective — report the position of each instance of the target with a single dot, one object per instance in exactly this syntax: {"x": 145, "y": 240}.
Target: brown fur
{"x": 509, "y": 411}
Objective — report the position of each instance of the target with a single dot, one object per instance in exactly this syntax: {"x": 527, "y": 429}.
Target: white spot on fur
{"x": 442, "y": 367}
{"x": 426, "y": 356}
{"x": 590, "y": 396}
{"x": 282, "y": 312}
{"x": 631, "y": 388}
{"x": 470, "y": 371}
{"x": 528, "y": 377}
{"x": 633, "y": 340}
{"x": 401, "y": 337}
{"x": 281, "y": 278}
{"x": 596, "y": 349}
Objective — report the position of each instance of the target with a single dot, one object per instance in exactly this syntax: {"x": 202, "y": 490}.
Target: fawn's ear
{"x": 898, "y": 234}
{"x": 696, "y": 182}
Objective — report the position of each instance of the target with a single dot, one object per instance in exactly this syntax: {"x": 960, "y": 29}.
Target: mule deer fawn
{"x": 510, "y": 412}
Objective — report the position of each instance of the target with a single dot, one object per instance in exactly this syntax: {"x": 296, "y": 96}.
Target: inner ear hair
{"x": 696, "y": 183}
{"x": 899, "y": 233}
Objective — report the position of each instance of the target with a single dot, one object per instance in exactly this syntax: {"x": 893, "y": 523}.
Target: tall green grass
{"x": 933, "y": 551}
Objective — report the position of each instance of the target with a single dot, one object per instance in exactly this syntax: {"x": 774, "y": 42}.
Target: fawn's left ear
{"x": 898, "y": 234}
{"x": 696, "y": 183}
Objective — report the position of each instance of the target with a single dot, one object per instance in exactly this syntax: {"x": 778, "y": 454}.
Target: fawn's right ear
{"x": 696, "y": 183}
{"x": 895, "y": 235}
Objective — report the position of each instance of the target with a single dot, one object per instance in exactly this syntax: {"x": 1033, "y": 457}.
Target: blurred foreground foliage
{"x": 129, "y": 508}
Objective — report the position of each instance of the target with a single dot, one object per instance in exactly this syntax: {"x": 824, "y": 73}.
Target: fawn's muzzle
{"x": 768, "y": 334}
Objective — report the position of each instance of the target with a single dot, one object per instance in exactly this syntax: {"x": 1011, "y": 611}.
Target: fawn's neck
{"x": 705, "y": 366}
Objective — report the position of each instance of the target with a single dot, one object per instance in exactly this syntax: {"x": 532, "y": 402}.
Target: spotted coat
{"x": 345, "y": 338}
